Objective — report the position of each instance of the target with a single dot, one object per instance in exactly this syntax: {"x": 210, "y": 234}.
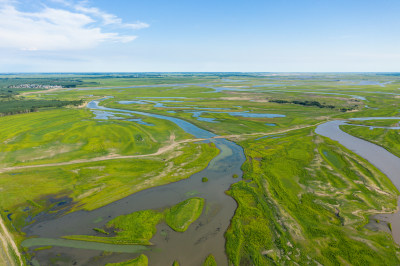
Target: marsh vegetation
{"x": 304, "y": 198}
{"x": 139, "y": 227}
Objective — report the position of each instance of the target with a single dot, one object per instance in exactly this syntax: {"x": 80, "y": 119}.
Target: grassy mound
{"x": 183, "y": 214}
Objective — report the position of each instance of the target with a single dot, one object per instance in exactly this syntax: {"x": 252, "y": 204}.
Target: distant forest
{"x": 11, "y": 103}
{"x": 313, "y": 103}
{"x": 17, "y": 106}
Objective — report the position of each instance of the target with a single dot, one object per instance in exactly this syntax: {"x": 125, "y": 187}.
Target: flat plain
{"x": 299, "y": 198}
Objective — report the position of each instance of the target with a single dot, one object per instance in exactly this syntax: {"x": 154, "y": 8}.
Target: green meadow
{"x": 377, "y": 122}
{"x": 62, "y": 135}
{"x": 309, "y": 208}
{"x": 303, "y": 199}
{"x": 95, "y": 184}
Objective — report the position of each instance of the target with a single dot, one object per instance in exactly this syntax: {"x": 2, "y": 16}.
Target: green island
{"x": 210, "y": 261}
{"x": 135, "y": 228}
{"x": 214, "y": 168}
{"x": 180, "y": 216}
{"x": 139, "y": 227}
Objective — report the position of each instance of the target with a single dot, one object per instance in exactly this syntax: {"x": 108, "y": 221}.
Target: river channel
{"x": 205, "y": 236}
{"x": 385, "y": 161}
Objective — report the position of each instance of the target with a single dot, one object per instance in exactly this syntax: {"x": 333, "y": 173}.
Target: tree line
{"x": 313, "y": 103}
{"x": 26, "y": 106}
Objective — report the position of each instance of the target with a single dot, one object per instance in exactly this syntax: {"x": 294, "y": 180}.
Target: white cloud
{"x": 137, "y": 26}
{"x": 58, "y": 29}
{"x": 109, "y": 19}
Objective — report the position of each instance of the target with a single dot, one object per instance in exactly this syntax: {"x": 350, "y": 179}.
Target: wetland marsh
{"x": 122, "y": 179}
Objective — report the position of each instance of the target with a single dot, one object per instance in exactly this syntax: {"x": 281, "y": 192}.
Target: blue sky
{"x": 219, "y": 35}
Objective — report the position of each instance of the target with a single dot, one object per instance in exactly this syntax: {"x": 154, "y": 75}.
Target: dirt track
{"x": 6, "y": 242}
{"x": 162, "y": 150}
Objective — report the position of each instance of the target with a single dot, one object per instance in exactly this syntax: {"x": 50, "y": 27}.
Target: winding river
{"x": 385, "y": 161}
{"x": 206, "y": 235}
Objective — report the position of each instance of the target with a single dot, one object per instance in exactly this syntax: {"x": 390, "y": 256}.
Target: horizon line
{"x": 184, "y": 72}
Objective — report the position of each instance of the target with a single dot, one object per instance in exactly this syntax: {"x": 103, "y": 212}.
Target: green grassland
{"x": 227, "y": 124}
{"x": 377, "y": 122}
{"x": 305, "y": 199}
{"x": 101, "y": 79}
{"x": 253, "y": 100}
{"x": 69, "y": 134}
{"x": 387, "y": 138}
{"x": 142, "y": 260}
{"x": 309, "y": 208}
{"x": 92, "y": 185}
{"x": 139, "y": 227}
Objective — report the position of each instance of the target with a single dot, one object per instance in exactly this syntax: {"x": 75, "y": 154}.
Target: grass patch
{"x": 377, "y": 122}
{"x": 185, "y": 213}
{"x": 43, "y": 248}
{"x": 99, "y": 230}
{"x": 142, "y": 260}
{"x": 387, "y": 138}
{"x": 139, "y": 227}
{"x": 133, "y": 229}
{"x": 210, "y": 261}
